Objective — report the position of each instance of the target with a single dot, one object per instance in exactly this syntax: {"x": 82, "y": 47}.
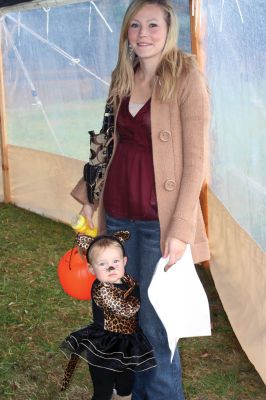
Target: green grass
{"x": 36, "y": 315}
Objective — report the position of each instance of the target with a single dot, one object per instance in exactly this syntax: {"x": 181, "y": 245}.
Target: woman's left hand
{"x": 174, "y": 248}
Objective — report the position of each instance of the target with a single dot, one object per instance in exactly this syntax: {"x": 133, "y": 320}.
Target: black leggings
{"x": 105, "y": 380}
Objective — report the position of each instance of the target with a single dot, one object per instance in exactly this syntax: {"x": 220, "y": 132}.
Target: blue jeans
{"x": 143, "y": 251}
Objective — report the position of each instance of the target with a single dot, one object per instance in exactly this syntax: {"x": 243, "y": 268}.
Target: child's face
{"x": 108, "y": 265}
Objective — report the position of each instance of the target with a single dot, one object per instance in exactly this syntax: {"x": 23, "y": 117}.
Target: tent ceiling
{"x": 20, "y": 5}
{"x": 12, "y": 2}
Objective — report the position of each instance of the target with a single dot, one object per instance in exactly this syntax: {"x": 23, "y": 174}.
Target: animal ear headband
{"x": 85, "y": 242}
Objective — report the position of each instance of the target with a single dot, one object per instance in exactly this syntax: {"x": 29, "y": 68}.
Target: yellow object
{"x": 80, "y": 225}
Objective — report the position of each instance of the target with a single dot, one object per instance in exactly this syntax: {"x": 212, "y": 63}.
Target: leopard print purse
{"x": 101, "y": 148}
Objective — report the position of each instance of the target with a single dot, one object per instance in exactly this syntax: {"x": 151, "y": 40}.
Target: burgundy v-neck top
{"x": 130, "y": 185}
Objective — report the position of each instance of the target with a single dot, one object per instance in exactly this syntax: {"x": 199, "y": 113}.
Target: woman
{"x": 154, "y": 178}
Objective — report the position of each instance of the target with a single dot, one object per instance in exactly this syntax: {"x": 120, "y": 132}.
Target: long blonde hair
{"x": 173, "y": 60}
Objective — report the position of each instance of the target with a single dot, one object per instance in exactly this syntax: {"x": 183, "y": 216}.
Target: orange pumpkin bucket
{"x": 74, "y": 275}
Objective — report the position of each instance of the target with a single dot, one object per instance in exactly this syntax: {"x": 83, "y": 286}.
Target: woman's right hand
{"x": 88, "y": 211}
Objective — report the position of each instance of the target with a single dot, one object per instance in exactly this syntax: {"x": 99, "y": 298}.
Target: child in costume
{"x": 113, "y": 345}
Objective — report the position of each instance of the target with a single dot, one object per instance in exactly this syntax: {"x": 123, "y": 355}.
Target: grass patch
{"x": 36, "y": 315}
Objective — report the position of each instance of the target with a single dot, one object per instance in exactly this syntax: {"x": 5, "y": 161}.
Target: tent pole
{"x": 3, "y": 133}
{"x": 197, "y": 27}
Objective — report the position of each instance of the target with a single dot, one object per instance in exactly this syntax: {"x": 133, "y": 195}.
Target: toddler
{"x": 113, "y": 345}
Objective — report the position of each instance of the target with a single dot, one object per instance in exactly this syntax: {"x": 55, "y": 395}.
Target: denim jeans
{"x": 143, "y": 251}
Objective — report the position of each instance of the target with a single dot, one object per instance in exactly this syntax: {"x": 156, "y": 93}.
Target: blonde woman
{"x": 155, "y": 175}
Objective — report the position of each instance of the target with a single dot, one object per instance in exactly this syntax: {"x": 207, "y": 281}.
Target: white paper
{"x": 179, "y": 299}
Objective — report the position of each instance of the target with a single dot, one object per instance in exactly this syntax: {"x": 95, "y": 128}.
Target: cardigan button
{"x": 169, "y": 185}
{"x": 164, "y": 136}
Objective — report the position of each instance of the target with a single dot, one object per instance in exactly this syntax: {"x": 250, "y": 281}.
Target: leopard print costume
{"x": 119, "y": 307}
{"x": 69, "y": 371}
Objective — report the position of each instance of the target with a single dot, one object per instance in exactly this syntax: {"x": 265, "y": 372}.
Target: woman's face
{"x": 147, "y": 32}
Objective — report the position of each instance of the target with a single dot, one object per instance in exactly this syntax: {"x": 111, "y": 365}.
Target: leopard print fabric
{"x": 72, "y": 363}
{"x": 119, "y": 306}
{"x": 84, "y": 241}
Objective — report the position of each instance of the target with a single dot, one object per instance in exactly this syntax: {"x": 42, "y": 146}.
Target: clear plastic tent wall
{"x": 57, "y": 65}
{"x": 57, "y": 71}
{"x": 235, "y": 50}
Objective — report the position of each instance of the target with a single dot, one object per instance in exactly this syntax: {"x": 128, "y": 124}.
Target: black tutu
{"x": 110, "y": 350}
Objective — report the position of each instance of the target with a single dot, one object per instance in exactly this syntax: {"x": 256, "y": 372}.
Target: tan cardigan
{"x": 179, "y": 129}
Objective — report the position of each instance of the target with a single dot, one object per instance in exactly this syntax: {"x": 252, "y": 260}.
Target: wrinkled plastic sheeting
{"x": 235, "y": 50}
{"x": 57, "y": 67}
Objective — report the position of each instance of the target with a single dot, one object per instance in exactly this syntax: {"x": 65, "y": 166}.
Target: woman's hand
{"x": 88, "y": 211}
{"x": 174, "y": 248}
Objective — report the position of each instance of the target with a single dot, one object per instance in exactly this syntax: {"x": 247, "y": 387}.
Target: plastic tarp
{"x": 235, "y": 66}
{"x": 7, "y": 3}
{"x": 57, "y": 66}
{"x": 236, "y": 57}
